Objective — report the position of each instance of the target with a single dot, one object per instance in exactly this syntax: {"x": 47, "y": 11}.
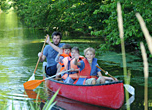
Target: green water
{"x": 18, "y": 57}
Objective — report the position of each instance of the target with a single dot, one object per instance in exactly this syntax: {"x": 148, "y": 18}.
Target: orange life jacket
{"x": 64, "y": 55}
{"x": 66, "y": 63}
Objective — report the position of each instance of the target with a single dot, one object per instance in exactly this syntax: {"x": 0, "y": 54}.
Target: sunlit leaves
{"x": 5, "y": 5}
{"x": 64, "y": 14}
{"x": 132, "y": 31}
{"x": 95, "y": 17}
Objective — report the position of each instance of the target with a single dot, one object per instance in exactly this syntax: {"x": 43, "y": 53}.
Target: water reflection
{"x": 69, "y": 104}
{"x": 17, "y": 60}
{"x": 11, "y": 61}
{"x": 17, "y": 105}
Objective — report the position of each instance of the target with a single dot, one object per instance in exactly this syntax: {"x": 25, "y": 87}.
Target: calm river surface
{"x": 18, "y": 57}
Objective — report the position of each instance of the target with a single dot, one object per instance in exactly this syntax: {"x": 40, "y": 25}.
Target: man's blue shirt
{"x": 50, "y": 54}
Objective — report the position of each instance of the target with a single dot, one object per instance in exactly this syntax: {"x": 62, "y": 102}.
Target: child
{"x": 65, "y": 51}
{"x": 88, "y": 70}
{"x": 68, "y": 64}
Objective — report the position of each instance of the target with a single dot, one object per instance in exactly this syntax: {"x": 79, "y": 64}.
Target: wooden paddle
{"x": 30, "y": 85}
{"x": 128, "y": 87}
{"x": 33, "y": 76}
{"x": 106, "y": 72}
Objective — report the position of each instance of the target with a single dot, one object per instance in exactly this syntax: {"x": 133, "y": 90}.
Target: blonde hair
{"x": 89, "y": 49}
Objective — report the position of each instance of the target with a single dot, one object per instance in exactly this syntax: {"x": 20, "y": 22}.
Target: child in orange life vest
{"x": 88, "y": 69}
{"x": 68, "y": 63}
{"x": 65, "y": 51}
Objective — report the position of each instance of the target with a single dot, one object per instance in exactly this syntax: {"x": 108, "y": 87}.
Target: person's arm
{"x": 57, "y": 59}
{"x": 106, "y": 78}
{"x": 57, "y": 74}
{"x": 52, "y": 45}
{"x": 76, "y": 60}
{"x": 41, "y": 56}
{"x": 99, "y": 74}
{"x": 109, "y": 78}
{"x": 76, "y": 70}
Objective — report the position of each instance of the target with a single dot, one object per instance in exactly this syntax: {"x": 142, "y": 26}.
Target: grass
{"x": 143, "y": 51}
{"x": 144, "y": 55}
{"x": 48, "y": 105}
{"x": 34, "y": 106}
{"x": 121, "y": 34}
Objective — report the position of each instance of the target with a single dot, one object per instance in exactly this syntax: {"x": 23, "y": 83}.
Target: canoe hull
{"x": 107, "y": 95}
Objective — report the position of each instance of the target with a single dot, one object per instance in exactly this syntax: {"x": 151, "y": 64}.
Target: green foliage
{"x": 5, "y": 5}
{"x": 132, "y": 31}
{"x": 32, "y": 12}
{"x": 62, "y": 15}
{"x": 95, "y": 17}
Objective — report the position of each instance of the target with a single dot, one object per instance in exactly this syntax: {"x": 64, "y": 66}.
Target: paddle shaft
{"x": 35, "y": 83}
{"x": 40, "y": 56}
{"x": 128, "y": 87}
{"x": 57, "y": 74}
{"x": 105, "y": 72}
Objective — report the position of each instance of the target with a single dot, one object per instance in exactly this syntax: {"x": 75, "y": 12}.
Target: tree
{"x": 132, "y": 31}
{"x": 95, "y": 17}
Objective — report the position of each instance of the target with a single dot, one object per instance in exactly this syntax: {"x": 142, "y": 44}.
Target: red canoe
{"x": 109, "y": 95}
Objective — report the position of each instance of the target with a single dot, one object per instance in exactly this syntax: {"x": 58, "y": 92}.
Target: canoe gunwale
{"x": 116, "y": 82}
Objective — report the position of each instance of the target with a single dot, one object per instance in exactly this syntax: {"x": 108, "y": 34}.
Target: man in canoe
{"x": 89, "y": 73}
{"x": 50, "y": 53}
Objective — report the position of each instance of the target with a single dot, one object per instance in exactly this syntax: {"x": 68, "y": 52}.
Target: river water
{"x": 18, "y": 57}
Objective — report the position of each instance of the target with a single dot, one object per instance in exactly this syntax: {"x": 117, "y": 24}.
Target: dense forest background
{"x": 97, "y": 18}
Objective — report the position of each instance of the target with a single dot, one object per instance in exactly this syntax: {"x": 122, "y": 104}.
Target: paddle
{"x": 128, "y": 87}
{"x": 33, "y": 76}
{"x": 106, "y": 73}
{"x": 30, "y": 85}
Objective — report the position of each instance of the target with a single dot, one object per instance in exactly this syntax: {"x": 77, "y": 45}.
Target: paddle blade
{"x": 32, "y": 77}
{"x": 31, "y": 94}
{"x": 30, "y": 85}
{"x": 130, "y": 89}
